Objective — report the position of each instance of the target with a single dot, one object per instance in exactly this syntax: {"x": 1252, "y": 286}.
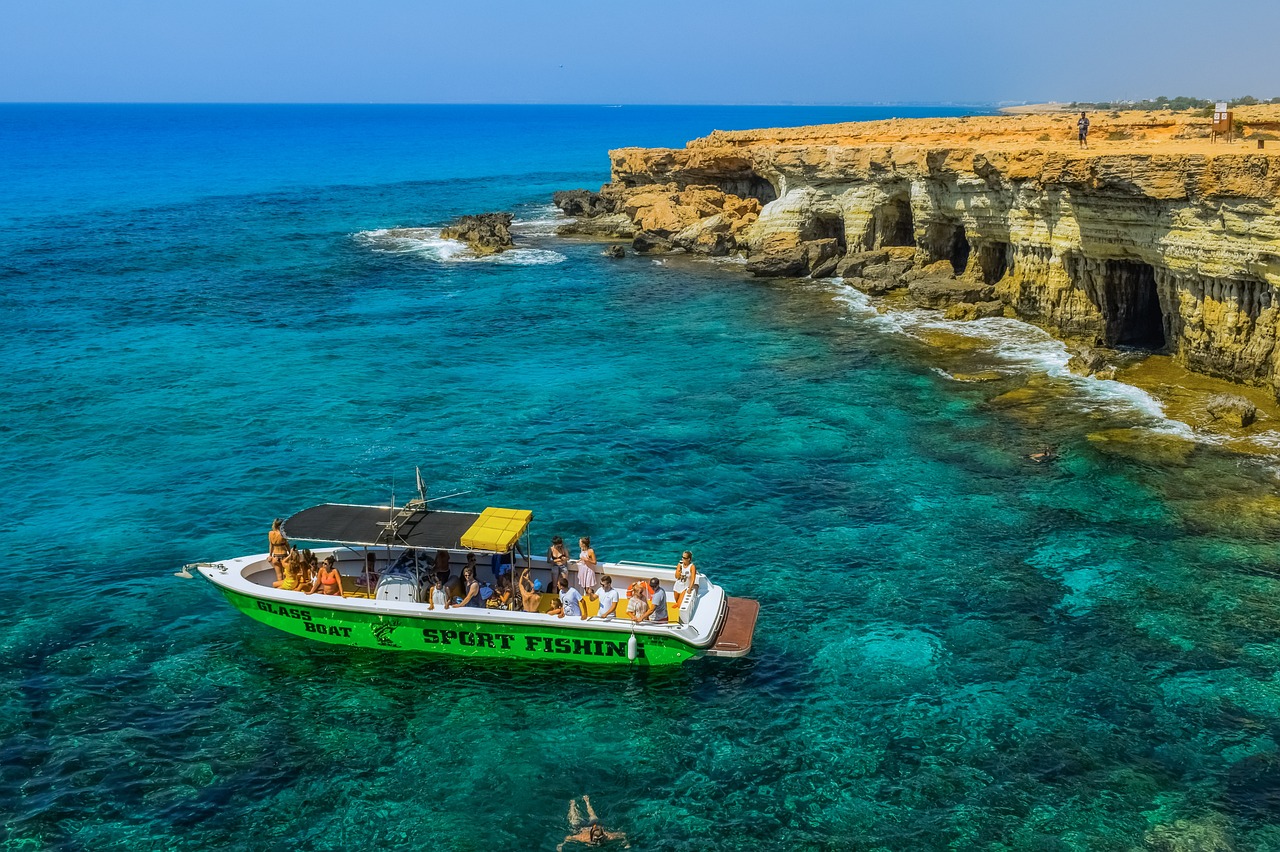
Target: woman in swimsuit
{"x": 292, "y": 569}
{"x": 307, "y": 568}
{"x": 586, "y": 564}
{"x": 328, "y": 580}
{"x": 278, "y": 548}
{"x": 557, "y": 559}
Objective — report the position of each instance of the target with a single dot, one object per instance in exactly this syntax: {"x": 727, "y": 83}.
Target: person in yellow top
{"x": 279, "y": 549}
{"x": 291, "y": 581}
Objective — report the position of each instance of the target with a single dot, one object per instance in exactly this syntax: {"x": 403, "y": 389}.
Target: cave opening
{"x": 826, "y": 227}
{"x": 947, "y": 241}
{"x": 993, "y": 261}
{"x": 892, "y": 225}
{"x": 1131, "y": 305}
{"x": 746, "y": 184}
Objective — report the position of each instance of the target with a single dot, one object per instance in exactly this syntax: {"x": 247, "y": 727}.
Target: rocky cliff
{"x": 1155, "y": 237}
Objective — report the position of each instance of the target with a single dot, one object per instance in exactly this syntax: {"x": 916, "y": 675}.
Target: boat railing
{"x": 632, "y": 564}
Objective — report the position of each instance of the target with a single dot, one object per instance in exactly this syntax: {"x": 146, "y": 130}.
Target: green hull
{"x": 460, "y": 637}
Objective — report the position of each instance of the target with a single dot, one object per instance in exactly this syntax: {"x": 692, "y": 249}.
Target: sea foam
{"x": 427, "y": 243}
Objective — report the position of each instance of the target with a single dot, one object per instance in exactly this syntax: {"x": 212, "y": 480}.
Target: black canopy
{"x": 367, "y": 526}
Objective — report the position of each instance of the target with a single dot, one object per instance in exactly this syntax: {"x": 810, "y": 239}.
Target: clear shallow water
{"x": 958, "y": 649}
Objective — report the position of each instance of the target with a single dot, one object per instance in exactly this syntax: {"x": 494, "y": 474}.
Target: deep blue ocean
{"x": 207, "y": 325}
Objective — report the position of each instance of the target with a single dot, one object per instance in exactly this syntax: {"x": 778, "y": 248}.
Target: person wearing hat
{"x": 589, "y": 831}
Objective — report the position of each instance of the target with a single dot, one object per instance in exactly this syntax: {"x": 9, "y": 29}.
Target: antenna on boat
{"x": 447, "y": 496}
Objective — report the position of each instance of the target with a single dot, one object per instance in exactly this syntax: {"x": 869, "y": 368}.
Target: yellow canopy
{"x": 497, "y": 529}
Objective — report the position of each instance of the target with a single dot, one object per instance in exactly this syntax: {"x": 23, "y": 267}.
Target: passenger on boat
{"x": 328, "y": 580}
{"x": 307, "y": 569}
{"x": 368, "y": 578}
{"x": 586, "y": 564}
{"x": 656, "y": 611}
{"x": 589, "y": 831}
{"x": 557, "y": 559}
{"x": 278, "y": 548}
{"x": 292, "y": 569}
{"x": 501, "y": 597}
{"x": 606, "y": 599}
{"x": 570, "y": 602}
{"x": 437, "y": 597}
{"x": 637, "y": 600}
{"x": 530, "y": 592}
{"x": 686, "y": 572}
{"x": 442, "y": 565}
{"x": 471, "y": 587}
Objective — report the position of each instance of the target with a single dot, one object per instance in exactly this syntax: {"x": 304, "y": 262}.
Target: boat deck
{"x": 739, "y": 626}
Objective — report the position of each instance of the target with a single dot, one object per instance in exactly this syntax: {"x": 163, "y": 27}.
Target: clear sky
{"x": 654, "y": 51}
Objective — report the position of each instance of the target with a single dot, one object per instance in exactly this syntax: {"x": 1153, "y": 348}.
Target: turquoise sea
{"x": 206, "y": 326}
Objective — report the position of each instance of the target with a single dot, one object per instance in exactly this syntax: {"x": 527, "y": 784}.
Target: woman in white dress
{"x": 686, "y": 571}
{"x": 586, "y": 565}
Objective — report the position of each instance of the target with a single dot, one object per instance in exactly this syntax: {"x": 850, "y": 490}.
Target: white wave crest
{"x": 1014, "y": 345}
{"x": 427, "y": 243}
{"x": 541, "y": 222}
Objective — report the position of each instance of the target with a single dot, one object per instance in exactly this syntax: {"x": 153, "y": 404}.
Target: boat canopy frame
{"x": 412, "y": 525}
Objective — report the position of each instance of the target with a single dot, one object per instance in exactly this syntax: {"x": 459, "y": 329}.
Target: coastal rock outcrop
{"x": 486, "y": 233}
{"x": 1232, "y": 409}
{"x": 1153, "y": 239}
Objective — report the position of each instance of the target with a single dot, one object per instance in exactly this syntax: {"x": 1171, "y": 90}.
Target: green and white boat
{"x": 391, "y": 612}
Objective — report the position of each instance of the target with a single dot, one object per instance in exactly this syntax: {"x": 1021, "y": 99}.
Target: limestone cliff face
{"x": 1154, "y": 238}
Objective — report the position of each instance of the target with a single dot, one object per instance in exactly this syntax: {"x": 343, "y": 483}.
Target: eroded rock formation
{"x": 486, "y": 233}
{"x": 1153, "y": 239}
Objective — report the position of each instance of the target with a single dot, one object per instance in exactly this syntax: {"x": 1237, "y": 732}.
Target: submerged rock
{"x": 614, "y": 252}
{"x": 1232, "y": 409}
{"x": 1143, "y": 446}
{"x": 486, "y": 233}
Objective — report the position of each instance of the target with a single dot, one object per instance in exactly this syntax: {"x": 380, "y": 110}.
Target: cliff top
{"x": 1110, "y": 132}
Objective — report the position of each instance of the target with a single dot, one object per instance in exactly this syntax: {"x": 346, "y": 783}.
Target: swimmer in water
{"x": 1047, "y": 454}
{"x": 589, "y": 832}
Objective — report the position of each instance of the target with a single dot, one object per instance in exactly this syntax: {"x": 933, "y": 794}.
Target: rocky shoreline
{"x": 1154, "y": 240}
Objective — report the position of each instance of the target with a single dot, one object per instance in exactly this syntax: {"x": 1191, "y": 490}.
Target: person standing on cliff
{"x": 1083, "y": 127}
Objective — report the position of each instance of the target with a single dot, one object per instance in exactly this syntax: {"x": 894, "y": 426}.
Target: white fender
{"x": 633, "y": 648}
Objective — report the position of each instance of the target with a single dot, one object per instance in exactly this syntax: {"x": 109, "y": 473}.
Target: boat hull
{"x": 458, "y": 636}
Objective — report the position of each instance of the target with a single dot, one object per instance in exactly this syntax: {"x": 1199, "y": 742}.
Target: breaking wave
{"x": 427, "y": 243}
{"x": 1014, "y": 346}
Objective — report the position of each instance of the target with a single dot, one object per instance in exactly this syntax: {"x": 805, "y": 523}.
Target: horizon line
{"x": 520, "y": 103}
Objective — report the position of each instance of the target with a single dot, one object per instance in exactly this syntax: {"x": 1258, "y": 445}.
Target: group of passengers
{"x": 646, "y": 600}
{"x": 299, "y": 570}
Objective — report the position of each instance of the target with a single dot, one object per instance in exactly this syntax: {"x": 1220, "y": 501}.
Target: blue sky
{"x": 656, "y": 51}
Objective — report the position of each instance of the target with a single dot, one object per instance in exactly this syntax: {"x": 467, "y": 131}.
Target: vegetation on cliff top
{"x": 1181, "y": 102}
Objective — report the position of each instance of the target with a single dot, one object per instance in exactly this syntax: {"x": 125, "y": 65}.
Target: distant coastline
{"x": 1035, "y": 109}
